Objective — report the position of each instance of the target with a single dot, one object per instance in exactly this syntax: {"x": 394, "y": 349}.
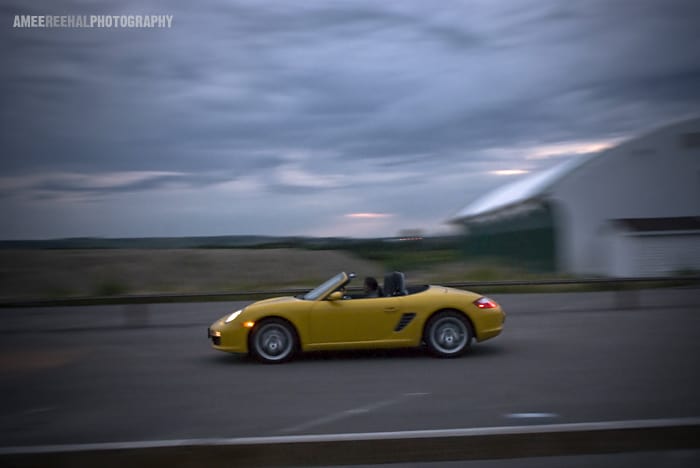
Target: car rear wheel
{"x": 273, "y": 341}
{"x": 448, "y": 334}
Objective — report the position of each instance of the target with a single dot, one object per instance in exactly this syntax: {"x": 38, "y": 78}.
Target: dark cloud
{"x": 329, "y": 106}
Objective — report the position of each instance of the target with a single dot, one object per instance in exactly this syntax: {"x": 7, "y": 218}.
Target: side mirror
{"x": 335, "y": 296}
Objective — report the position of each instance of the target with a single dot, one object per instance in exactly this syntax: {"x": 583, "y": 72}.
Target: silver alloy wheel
{"x": 273, "y": 341}
{"x": 448, "y": 335}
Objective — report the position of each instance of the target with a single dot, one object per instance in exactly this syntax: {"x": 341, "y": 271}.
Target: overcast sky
{"x": 320, "y": 118}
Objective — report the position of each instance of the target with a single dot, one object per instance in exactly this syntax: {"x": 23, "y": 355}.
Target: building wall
{"x": 620, "y": 251}
{"x": 650, "y": 177}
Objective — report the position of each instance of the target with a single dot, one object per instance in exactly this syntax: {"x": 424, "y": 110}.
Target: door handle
{"x": 390, "y": 309}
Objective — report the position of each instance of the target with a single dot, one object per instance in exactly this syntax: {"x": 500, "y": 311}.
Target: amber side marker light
{"x": 485, "y": 303}
{"x": 249, "y": 324}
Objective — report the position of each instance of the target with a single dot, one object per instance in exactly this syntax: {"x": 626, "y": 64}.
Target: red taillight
{"x": 485, "y": 303}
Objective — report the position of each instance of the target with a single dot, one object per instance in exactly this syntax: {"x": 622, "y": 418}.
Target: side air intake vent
{"x": 404, "y": 321}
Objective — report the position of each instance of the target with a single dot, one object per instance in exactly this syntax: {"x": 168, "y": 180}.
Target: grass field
{"x": 111, "y": 272}
{"x": 66, "y": 273}
{"x": 70, "y": 273}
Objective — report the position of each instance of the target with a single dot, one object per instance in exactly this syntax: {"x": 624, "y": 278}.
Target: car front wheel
{"x": 273, "y": 341}
{"x": 448, "y": 334}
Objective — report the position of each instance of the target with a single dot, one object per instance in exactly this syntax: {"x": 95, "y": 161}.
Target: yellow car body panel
{"x": 329, "y": 322}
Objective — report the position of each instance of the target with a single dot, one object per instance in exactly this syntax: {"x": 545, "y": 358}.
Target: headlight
{"x": 233, "y": 316}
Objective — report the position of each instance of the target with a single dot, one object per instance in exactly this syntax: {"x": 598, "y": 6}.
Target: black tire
{"x": 273, "y": 341}
{"x": 448, "y": 334}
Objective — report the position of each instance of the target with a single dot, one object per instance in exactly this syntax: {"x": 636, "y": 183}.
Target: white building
{"x": 632, "y": 210}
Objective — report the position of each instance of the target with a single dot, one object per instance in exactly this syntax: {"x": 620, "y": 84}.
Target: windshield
{"x": 325, "y": 287}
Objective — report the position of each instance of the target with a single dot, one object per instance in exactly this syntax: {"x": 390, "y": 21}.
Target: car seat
{"x": 395, "y": 284}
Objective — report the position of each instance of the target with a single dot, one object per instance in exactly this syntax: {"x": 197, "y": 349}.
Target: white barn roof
{"x": 521, "y": 190}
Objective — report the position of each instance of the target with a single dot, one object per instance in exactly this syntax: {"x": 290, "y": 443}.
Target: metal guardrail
{"x": 613, "y": 283}
{"x": 558, "y": 282}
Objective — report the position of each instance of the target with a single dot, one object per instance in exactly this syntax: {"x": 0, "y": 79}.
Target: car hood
{"x": 274, "y": 300}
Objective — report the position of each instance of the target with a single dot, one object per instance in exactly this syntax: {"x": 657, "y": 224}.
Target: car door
{"x": 334, "y": 323}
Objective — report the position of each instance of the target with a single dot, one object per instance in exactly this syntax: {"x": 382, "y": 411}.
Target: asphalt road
{"x": 140, "y": 373}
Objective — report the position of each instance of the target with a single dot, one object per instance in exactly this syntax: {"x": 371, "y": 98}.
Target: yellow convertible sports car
{"x": 326, "y": 318}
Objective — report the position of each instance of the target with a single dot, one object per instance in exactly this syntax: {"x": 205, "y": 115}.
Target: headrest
{"x": 395, "y": 284}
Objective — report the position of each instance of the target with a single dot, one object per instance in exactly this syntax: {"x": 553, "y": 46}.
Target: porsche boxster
{"x": 445, "y": 320}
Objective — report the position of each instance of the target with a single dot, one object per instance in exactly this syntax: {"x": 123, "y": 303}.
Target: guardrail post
{"x": 136, "y": 315}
